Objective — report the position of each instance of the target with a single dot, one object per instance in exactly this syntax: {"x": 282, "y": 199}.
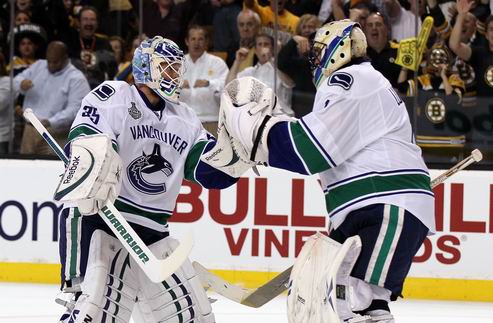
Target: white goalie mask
{"x": 334, "y": 45}
{"x": 159, "y": 64}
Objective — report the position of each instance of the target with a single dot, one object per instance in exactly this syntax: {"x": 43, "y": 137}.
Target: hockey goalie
{"x": 359, "y": 140}
{"x": 134, "y": 145}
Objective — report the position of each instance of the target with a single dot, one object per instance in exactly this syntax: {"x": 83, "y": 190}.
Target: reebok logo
{"x": 214, "y": 154}
{"x": 71, "y": 170}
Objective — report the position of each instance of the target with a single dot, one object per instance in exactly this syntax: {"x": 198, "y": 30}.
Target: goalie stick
{"x": 156, "y": 269}
{"x": 256, "y": 297}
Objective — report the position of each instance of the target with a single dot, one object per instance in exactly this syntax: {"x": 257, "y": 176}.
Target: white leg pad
{"x": 108, "y": 288}
{"x": 180, "y": 298}
{"x": 319, "y": 286}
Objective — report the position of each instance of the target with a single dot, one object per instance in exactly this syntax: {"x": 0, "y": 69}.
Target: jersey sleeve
{"x": 202, "y": 173}
{"x": 99, "y": 114}
{"x": 336, "y": 130}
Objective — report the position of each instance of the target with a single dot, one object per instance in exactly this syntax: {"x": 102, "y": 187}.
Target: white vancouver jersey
{"x": 158, "y": 149}
{"x": 360, "y": 135}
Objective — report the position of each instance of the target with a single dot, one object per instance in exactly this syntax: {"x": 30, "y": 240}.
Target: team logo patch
{"x": 435, "y": 110}
{"x": 104, "y": 92}
{"x": 341, "y": 79}
{"x": 145, "y": 173}
{"x": 134, "y": 112}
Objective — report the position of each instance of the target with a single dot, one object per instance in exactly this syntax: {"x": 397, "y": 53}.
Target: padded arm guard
{"x": 93, "y": 174}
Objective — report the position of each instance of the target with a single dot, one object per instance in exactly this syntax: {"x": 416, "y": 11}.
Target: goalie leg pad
{"x": 319, "y": 285}
{"x": 180, "y": 298}
{"x": 108, "y": 289}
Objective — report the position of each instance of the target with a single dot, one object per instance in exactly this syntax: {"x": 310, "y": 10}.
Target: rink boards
{"x": 252, "y": 231}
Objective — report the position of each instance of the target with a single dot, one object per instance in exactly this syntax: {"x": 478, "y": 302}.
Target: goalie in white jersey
{"x": 151, "y": 142}
{"x": 359, "y": 140}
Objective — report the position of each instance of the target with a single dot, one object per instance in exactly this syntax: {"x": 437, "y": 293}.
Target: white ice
{"x": 34, "y": 303}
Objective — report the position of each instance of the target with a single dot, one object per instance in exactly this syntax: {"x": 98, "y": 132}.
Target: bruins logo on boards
{"x": 488, "y": 76}
{"x": 435, "y": 110}
{"x": 134, "y": 112}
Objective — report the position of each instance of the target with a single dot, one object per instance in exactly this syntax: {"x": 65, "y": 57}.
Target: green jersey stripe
{"x": 83, "y": 130}
{"x": 158, "y": 217}
{"x": 358, "y": 188}
{"x": 386, "y": 244}
{"x": 74, "y": 242}
{"x": 307, "y": 150}
{"x": 193, "y": 159}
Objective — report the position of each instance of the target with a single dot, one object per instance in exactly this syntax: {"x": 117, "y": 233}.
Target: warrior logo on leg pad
{"x": 146, "y": 166}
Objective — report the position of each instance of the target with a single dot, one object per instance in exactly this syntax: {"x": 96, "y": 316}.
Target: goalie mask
{"x": 333, "y": 47}
{"x": 159, "y": 64}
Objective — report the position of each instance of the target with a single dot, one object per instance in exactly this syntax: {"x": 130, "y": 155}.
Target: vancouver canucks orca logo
{"x": 144, "y": 172}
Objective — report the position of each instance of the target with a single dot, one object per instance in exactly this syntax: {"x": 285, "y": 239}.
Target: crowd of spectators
{"x": 64, "y": 48}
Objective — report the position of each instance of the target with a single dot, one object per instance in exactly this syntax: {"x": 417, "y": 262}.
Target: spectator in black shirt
{"x": 293, "y": 60}
{"x": 381, "y": 51}
{"x": 91, "y": 52}
{"x": 480, "y": 57}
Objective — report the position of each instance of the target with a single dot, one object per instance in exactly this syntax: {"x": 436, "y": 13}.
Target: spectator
{"x": 53, "y": 17}
{"x": 381, "y": 51}
{"x": 325, "y": 11}
{"x": 437, "y": 77}
{"x": 23, "y": 5}
{"x": 91, "y": 52}
{"x": 29, "y": 42}
{"x": 265, "y": 71}
{"x": 167, "y": 19}
{"x": 203, "y": 79}
{"x": 22, "y": 17}
{"x": 403, "y": 21}
{"x": 54, "y": 89}
{"x": 301, "y": 7}
{"x": 125, "y": 71}
{"x": 118, "y": 46}
{"x": 354, "y": 10}
{"x": 293, "y": 61}
{"x": 71, "y": 10}
{"x": 287, "y": 21}
{"x": 118, "y": 17}
{"x": 226, "y": 34}
{"x": 248, "y": 27}
{"x": 480, "y": 57}
{"x": 5, "y": 109}
{"x": 468, "y": 36}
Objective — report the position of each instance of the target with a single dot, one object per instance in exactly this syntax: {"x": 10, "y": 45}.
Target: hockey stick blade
{"x": 252, "y": 297}
{"x": 256, "y": 297}
{"x": 221, "y": 286}
{"x": 156, "y": 269}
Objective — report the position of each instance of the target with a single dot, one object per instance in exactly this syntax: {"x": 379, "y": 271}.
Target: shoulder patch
{"x": 104, "y": 92}
{"x": 341, "y": 79}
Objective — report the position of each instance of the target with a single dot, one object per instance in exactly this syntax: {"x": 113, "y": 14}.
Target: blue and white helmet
{"x": 159, "y": 64}
{"x": 334, "y": 45}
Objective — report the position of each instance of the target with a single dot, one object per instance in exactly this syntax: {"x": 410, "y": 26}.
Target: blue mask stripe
{"x": 330, "y": 51}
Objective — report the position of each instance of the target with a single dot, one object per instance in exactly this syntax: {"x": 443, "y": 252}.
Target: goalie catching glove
{"x": 92, "y": 175}
{"x": 248, "y": 111}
